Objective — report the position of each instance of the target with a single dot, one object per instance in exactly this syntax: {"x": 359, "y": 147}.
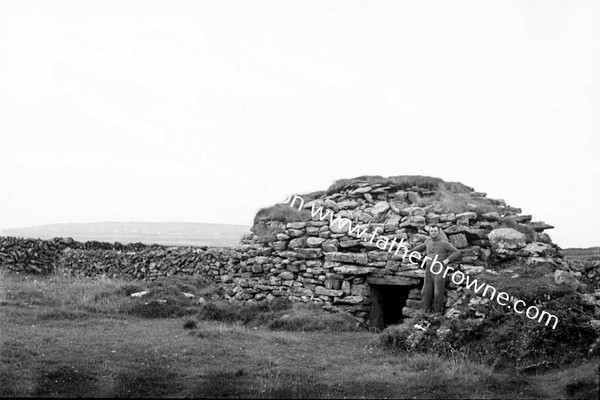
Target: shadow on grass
{"x": 272, "y": 384}
{"x": 223, "y": 384}
{"x": 149, "y": 381}
{"x": 582, "y": 389}
{"x": 62, "y": 314}
{"x": 10, "y": 384}
{"x": 66, "y": 381}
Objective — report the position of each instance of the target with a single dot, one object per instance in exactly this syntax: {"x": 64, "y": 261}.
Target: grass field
{"x": 72, "y": 337}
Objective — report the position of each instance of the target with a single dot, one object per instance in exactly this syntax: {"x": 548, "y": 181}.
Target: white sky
{"x": 206, "y": 111}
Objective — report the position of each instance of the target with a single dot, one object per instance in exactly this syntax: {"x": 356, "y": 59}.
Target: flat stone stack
{"x": 147, "y": 263}
{"x": 29, "y": 255}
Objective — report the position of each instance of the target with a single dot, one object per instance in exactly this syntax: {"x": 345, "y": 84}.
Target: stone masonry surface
{"x": 311, "y": 261}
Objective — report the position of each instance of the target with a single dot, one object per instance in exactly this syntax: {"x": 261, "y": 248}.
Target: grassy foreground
{"x": 71, "y": 337}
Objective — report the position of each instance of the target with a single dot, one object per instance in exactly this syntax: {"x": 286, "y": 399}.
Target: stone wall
{"x": 316, "y": 261}
{"x": 126, "y": 261}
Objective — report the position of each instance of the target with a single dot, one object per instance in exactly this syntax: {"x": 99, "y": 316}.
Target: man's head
{"x": 434, "y": 231}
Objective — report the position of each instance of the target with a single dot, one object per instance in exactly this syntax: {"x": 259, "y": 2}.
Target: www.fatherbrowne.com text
{"x": 394, "y": 246}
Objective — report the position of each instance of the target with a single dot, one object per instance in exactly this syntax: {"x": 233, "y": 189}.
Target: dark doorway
{"x": 387, "y": 302}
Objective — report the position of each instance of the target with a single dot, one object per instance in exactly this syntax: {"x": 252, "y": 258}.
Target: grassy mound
{"x": 279, "y": 314}
{"x": 279, "y": 212}
{"x": 311, "y": 317}
{"x": 224, "y": 311}
{"x": 166, "y": 297}
{"x": 503, "y": 339}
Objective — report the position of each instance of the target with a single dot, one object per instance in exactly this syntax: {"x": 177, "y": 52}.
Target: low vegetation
{"x": 76, "y": 337}
{"x": 504, "y": 338}
{"x": 279, "y": 212}
{"x": 402, "y": 182}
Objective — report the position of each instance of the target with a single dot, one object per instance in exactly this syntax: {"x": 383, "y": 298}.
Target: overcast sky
{"x": 206, "y": 111}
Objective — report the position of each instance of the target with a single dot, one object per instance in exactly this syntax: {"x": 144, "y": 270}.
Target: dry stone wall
{"x": 129, "y": 261}
{"x": 316, "y": 261}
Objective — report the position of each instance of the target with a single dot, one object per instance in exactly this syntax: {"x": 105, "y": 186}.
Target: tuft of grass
{"x": 532, "y": 285}
{"x": 190, "y": 324}
{"x": 396, "y": 336}
{"x": 509, "y": 222}
{"x": 309, "y": 318}
{"x": 282, "y": 213}
{"x": 279, "y": 212}
{"x": 164, "y": 307}
{"x": 258, "y": 313}
{"x": 446, "y": 202}
{"x": 223, "y": 330}
{"x": 129, "y": 288}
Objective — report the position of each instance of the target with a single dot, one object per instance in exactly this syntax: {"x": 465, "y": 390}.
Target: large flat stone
{"x": 454, "y": 229}
{"x": 414, "y": 273}
{"x": 353, "y": 270}
{"x": 349, "y": 300}
{"x": 505, "y": 241}
{"x": 355, "y": 258}
{"x": 539, "y": 226}
{"x": 340, "y": 225}
{"x": 392, "y": 280}
{"x": 314, "y": 241}
{"x": 380, "y": 208}
{"x": 321, "y": 291}
{"x": 296, "y": 225}
{"x": 310, "y": 253}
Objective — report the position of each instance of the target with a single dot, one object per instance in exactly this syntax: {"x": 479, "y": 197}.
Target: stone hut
{"x": 294, "y": 251}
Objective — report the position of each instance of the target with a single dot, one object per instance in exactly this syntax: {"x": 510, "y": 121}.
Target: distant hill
{"x": 581, "y": 254}
{"x": 166, "y": 233}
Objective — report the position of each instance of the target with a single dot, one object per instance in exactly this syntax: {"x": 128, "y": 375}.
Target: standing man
{"x": 435, "y": 283}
